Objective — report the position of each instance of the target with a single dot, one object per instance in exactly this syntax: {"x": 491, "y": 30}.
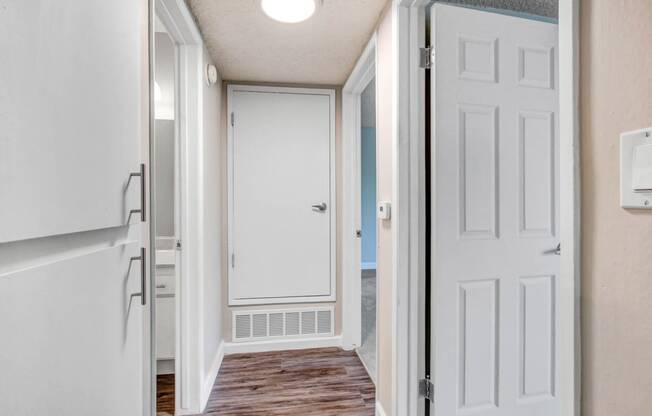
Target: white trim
{"x": 408, "y": 190}
{"x": 210, "y": 378}
{"x": 363, "y": 72}
{"x": 175, "y": 15}
{"x": 379, "y": 409}
{"x": 281, "y": 345}
{"x": 570, "y": 207}
{"x": 409, "y": 348}
{"x": 332, "y": 297}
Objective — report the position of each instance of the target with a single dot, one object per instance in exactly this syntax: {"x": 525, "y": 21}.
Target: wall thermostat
{"x": 636, "y": 169}
{"x": 384, "y": 210}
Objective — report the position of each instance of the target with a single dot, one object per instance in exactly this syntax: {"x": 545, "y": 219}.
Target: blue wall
{"x": 368, "y": 198}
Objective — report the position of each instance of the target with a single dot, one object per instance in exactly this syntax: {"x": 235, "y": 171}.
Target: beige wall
{"x": 227, "y": 314}
{"x": 616, "y": 96}
{"x": 212, "y": 226}
{"x": 384, "y": 169}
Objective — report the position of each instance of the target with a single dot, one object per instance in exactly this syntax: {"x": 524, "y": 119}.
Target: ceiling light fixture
{"x": 290, "y": 11}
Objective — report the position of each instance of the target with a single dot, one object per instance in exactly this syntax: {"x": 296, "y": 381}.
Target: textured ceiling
{"x": 246, "y": 45}
{"x": 547, "y": 8}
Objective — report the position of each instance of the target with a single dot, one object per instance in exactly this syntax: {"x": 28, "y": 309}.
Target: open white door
{"x": 495, "y": 220}
{"x": 73, "y": 124}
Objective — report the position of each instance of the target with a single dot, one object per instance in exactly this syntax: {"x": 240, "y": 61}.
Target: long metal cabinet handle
{"x": 143, "y": 276}
{"x": 142, "y": 209}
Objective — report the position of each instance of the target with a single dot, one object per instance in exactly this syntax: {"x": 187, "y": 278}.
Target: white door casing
{"x": 281, "y": 151}
{"x": 73, "y": 107}
{"x": 496, "y": 210}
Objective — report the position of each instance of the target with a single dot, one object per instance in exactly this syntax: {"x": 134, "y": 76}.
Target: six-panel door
{"x": 496, "y": 164}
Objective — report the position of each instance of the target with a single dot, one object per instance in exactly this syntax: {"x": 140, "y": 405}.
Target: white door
{"x": 281, "y": 196}
{"x": 496, "y": 203}
{"x": 73, "y": 122}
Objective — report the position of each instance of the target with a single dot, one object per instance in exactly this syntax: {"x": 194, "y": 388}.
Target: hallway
{"x": 321, "y": 381}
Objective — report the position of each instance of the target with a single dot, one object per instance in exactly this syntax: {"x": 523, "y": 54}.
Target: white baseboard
{"x": 164, "y": 367}
{"x": 379, "y": 410}
{"x": 282, "y": 344}
{"x": 368, "y": 265}
{"x": 209, "y": 381}
{"x": 373, "y": 378}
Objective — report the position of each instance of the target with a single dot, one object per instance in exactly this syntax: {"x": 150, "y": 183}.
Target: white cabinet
{"x": 72, "y": 339}
{"x": 165, "y": 328}
{"x": 71, "y": 109}
{"x": 165, "y": 315}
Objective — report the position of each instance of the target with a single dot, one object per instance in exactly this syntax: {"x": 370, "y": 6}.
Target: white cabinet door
{"x": 281, "y": 196}
{"x": 72, "y": 340}
{"x": 70, "y": 91}
{"x": 73, "y": 122}
{"x": 496, "y": 164}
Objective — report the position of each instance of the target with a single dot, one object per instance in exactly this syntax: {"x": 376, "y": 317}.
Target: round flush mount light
{"x": 290, "y": 11}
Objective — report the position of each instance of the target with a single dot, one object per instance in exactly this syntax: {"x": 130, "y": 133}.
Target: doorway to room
{"x": 165, "y": 209}
{"x": 367, "y": 349}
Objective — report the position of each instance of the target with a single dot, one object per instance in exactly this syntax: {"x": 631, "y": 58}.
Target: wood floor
{"x": 165, "y": 395}
{"x": 323, "y": 381}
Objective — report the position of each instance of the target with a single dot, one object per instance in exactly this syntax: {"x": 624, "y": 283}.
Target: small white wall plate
{"x": 211, "y": 74}
{"x": 629, "y": 197}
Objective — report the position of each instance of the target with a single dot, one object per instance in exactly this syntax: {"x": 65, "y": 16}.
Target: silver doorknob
{"x": 556, "y": 251}
{"x": 319, "y": 207}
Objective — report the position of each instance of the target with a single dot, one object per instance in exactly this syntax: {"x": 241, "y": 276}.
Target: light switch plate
{"x": 634, "y": 145}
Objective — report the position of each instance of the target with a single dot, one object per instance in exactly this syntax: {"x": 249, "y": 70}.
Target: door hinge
{"x": 427, "y": 389}
{"x": 426, "y": 57}
{"x": 358, "y": 233}
{"x": 178, "y": 245}
{"x": 232, "y": 119}
{"x": 232, "y": 260}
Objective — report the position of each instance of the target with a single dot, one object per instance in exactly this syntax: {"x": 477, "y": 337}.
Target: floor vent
{"x": 257, "y": 325}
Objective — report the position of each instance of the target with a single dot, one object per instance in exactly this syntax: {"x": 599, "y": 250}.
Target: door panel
{"x": 73, "y": 125}
{"x": 72, "y": 339}
{"x": 70, "y": 85}
{"x": 281, "y": 149}
{"x": 495, "y": 201}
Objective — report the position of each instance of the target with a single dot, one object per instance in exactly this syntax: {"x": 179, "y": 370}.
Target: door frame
{"x": 189, "y": 74}
{"x": 332, "y": 212}
{"x": 409, "y": 336}
{"x": 363, "y": 72}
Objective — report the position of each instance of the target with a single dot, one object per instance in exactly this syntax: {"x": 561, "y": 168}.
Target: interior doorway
{"x": 368, "y": 239}
{"x": 165, "y": 210}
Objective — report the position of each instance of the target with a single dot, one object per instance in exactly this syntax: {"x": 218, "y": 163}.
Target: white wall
{"x": 164, "y": 134}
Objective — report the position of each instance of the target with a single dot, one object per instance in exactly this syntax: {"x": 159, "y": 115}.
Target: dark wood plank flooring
{"x": 322, "y": 381}
{"x": 165, "y": 395}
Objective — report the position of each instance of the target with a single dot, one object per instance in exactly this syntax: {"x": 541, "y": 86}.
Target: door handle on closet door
{"x": 319, "y": 207}
{"x": 141, "y": 175}
{"x": 143, "y": 271}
